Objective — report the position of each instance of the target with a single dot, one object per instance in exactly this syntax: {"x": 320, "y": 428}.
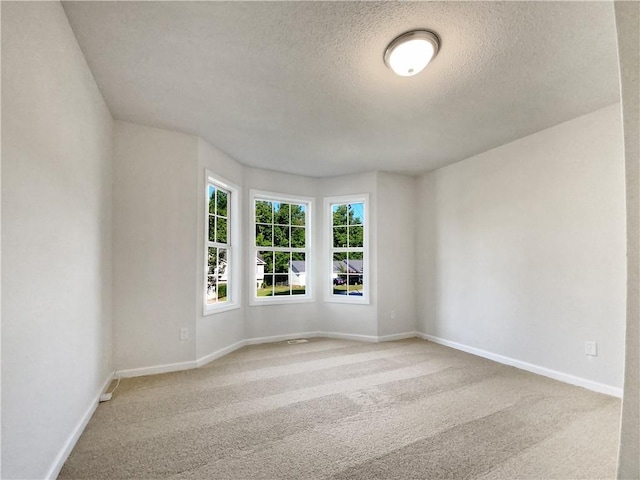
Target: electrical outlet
{"x": 184, "y": 334}
{"x": 393, "y": 314}
{"x": 591, "y": 349}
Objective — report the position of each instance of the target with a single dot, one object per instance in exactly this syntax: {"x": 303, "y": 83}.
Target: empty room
{"x": 320, "y": 240}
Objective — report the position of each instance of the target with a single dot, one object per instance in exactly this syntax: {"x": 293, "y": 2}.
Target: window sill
{"x": 219, "y": 309}
{"x": 347, "y": 299}
{"x": 254, "y": 302}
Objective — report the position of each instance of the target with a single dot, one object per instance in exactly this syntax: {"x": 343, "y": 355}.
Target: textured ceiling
{"x": 301, "y": 87}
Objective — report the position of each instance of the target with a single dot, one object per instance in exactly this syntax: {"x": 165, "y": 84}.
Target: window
{"x": 281, "y": 248}
{"x": 221, "y": 292}
{"x": 347, "y": 238}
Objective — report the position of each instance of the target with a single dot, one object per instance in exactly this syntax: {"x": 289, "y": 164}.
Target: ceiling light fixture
{"x": 409, "y": 53}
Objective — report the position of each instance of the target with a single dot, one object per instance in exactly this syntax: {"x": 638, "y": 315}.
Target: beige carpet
{"x": 336, "y": 409}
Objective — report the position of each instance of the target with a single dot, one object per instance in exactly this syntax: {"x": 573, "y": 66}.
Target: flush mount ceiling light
{"x": 409, "y": 53}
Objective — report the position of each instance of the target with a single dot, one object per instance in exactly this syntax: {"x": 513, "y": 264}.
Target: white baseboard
{"x": 348, "y": 336}
{"x": 280, "y": 338}
{"x": 546, "y": 372}
{"x": 64, "y": 453}
{"x": 220, "y": 353}
{"x": 397, "y": 336}
{"x": 368, "y": 338}
{"x": 337, "y": 335}
{"x": 154, "y": 370}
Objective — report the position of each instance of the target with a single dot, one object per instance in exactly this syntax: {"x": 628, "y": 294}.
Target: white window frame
{"x": 329, "y": 250}
{"x": 233, "y": 245}
{"x": 308, "y": 296}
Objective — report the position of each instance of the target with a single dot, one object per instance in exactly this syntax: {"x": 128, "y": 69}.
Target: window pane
{"x": 297, "y": 237}
{"x": 339, "y": 276}
{"x": 217, "y": 275}
{"x": 264, "y": 212}
{"x": 222, "y": 291}
{"x": 339, "y": 236}
{"x": 221, "y": 227}
{"x": 222, "y": 203}
{"x": 265, "y": 289}
{"x": 356, "y": 236}
{"x": 356, "y": 256}
{"x": 339, "y": 273}
{"x": 356, "y": 214}
{"x": 281, "y": 236}
{"x": 281, "y": 212}
{"x": 212, "y": 199}
{"x": 222, "y": 264}
{"x": 267, "y": 258}
{"x": 211, "y": 289}
{"x": 282, "y": 286}
{"x": 282, "y": 262}
{"x": 356, "y": 273}
{"x": 213, "y": 261}
{"x": 298, "y": 273}
{"x": 264, "y": 236}
{"x": 355, "y": 263}
{"x": 355, "y": 285}
{"x": 339, "y": 257}
{"x": 298, "y": 214}
{"x": 212, "y": 228}
{"x": 339, "y": 214}
{"x": 356, "y": 266}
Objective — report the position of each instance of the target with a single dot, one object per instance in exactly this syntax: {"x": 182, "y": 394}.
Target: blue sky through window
{"x": 358, "y": 211}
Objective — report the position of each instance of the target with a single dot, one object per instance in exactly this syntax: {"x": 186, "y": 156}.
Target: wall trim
{"x": 73, "y": 438}
{"x": 219, "y": 353}
{"x": 156, "y": 369}
{"x": 397, "y": 336}
{"x": 281, "y": 338}
{"x": 349, "y": 336}
{"x": 546, "y": 372}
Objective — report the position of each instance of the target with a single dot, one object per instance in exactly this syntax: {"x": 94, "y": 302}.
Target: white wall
{"x": 155, "y": 245}
{"x": 397, "y": 218}
{"x": 56, "y": 239}
{"x": 215, "y": 332}
{"x": 628, "y": 31}
{"x": 523, "y": 249}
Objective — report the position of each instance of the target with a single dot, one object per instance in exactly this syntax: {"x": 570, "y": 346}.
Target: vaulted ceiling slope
{"x": 301, "y": 87}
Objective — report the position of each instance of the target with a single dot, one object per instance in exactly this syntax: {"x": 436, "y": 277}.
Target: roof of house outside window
{"x": 344, "y": 266}
{"x": 298, "y": 266}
